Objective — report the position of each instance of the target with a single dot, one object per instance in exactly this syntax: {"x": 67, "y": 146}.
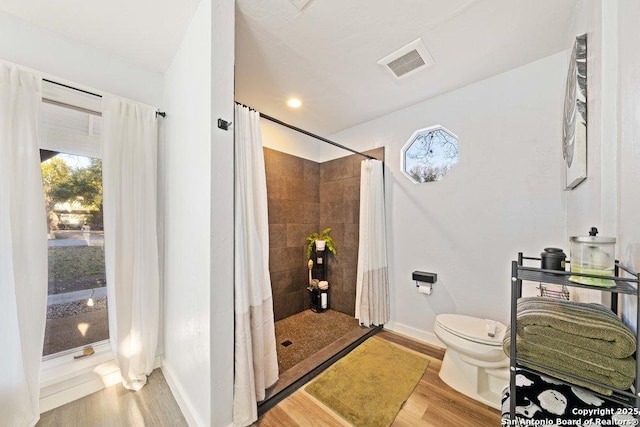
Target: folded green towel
{"x": 584, "y": 325}
{"x": 612, "y": 372}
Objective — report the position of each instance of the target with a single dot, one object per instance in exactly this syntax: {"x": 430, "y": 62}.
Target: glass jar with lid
{"x": 593, "y": 255}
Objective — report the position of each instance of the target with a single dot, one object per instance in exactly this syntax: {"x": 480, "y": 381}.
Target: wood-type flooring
{"x": 432, "y": 403}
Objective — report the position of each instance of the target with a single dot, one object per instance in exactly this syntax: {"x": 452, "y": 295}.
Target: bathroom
{"x": 505, "y": 195}
{"x": 461, "y": 227}
{"x": 447, "y": 226}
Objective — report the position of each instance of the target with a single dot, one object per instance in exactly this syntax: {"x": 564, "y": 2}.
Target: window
{"x": 72, "y": 179}
{"x": 429, "y": 154}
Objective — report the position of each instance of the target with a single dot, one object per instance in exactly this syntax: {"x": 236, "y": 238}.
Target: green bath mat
{"x": 369, "y": 386}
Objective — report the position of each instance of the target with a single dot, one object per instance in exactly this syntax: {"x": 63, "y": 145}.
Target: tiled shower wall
{"x": 340, "y": 210}
{"x": 293, "y": 196}
{"x": 305, "y": 197}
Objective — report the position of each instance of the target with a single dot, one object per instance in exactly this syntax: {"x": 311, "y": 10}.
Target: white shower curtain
{"x": 256, "y": 362}
{"x": 23, "y": 248}
{"x": 129, "y": 174}
{"x": 372, "y": 286}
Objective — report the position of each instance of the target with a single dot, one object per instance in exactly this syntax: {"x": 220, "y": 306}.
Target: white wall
{"x": 187, "y": 209}
{"x": 48, "y": 52}
{"x": 221, "y": 220}
{"x": 610, "y": 197}
{"x": 289, "y": 141}
{"x": 594, "y": 202}
{"x": 503, "y": 196}
{"x": 629, "y": 138}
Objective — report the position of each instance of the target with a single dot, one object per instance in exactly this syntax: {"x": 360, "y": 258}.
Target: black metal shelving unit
{"x": 629, "y": 284}
{"x": 320, "y": 260}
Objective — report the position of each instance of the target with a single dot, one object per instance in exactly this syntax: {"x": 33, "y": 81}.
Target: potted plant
{"x": 321, "y": 241}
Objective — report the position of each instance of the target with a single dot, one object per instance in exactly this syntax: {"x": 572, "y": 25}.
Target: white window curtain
{"x": 372, "y": 286}
{"x": 256, "y": 361}
{"x": 129, "y": 175}
{"x": 23, "y": 248}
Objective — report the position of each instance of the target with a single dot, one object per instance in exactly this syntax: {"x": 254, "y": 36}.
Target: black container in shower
{"x": 553, "y": 259}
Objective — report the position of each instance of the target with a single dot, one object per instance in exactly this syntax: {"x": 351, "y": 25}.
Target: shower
{"x": 313, "y": 297}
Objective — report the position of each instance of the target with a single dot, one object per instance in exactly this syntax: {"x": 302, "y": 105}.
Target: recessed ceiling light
{"x": 294, "y": 103}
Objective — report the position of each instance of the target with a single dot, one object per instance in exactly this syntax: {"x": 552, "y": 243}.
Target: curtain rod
{"x": 158, "y": 113}
{"x": 313, "y": 135}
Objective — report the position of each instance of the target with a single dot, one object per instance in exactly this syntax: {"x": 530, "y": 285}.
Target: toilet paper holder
{"x": 424, "y": 281}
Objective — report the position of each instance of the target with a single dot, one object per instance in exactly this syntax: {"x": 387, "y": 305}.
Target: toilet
{"x": 474, "y": 363}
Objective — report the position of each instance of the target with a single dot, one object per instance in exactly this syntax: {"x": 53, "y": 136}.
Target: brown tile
{"x": 348, "y": 257}
{"x": 352, "y": 212}
{"x": 289, "y": 304}
{"x": 343, "y": 302}
{"x": 310, "y": 213}
{"x": 282, "y": 164}
{"x": 287, "y": 281}
{"x": 324, "y": 171}
{"x": 295, "y": 190}
{"x": 351, "y": 188}
{"x": 311, "y": 190}
{"x": 334, "y": 274}
{"x": 310, "y": 170}
{"x": 351, "y": 234}
{"x": 285, "y": 211}
{"x": 331, "y": 191}
{"x": 275, "y": 187}
{"x": 280, "y": 283}
{"x": 357, "y": 165}
{"x": 281, "y": 259}
{"x": 297, "y": 234}
{"x": 336, "y": 169}
{"x": 349, "y": 281}
{"x": 268, "y": 159}
{"x": 334, "y": 212}
{"x": 277, "y": 236}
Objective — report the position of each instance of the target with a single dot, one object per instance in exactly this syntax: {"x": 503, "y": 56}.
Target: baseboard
{"x": 188, "y": 411}
{"x": 75, "y": 387}
{"x": 417, "y": 334}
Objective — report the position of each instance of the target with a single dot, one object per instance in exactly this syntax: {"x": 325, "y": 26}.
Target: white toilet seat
{"x": 484, "y": 355}
{"x": 471, "y": 329}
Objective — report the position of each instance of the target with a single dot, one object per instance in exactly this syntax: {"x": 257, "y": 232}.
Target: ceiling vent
{"x": 300, "y": 4}
{"x": 408, "y": 59}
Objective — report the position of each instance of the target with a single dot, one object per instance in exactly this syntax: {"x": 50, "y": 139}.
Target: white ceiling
{"x": 326, "y": 53}
{"x": 146, "y": 32}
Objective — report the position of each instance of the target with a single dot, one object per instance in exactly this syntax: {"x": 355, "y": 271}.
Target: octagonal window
{"x": 429, "y": 154}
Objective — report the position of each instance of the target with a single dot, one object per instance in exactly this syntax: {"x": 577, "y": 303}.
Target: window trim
{"x": 63, "y": 378}
{"x": 409, "y": 143}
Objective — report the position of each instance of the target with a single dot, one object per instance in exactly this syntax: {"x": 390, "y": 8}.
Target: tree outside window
{"x": 429, "y": 154}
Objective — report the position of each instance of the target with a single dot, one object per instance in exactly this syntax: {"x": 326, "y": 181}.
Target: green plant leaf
{"x": 323, "y": 235}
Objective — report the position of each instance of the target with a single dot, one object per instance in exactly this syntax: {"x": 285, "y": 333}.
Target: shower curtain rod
{"x": 83, "y": 110}
{"x": 313, "y": 135}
